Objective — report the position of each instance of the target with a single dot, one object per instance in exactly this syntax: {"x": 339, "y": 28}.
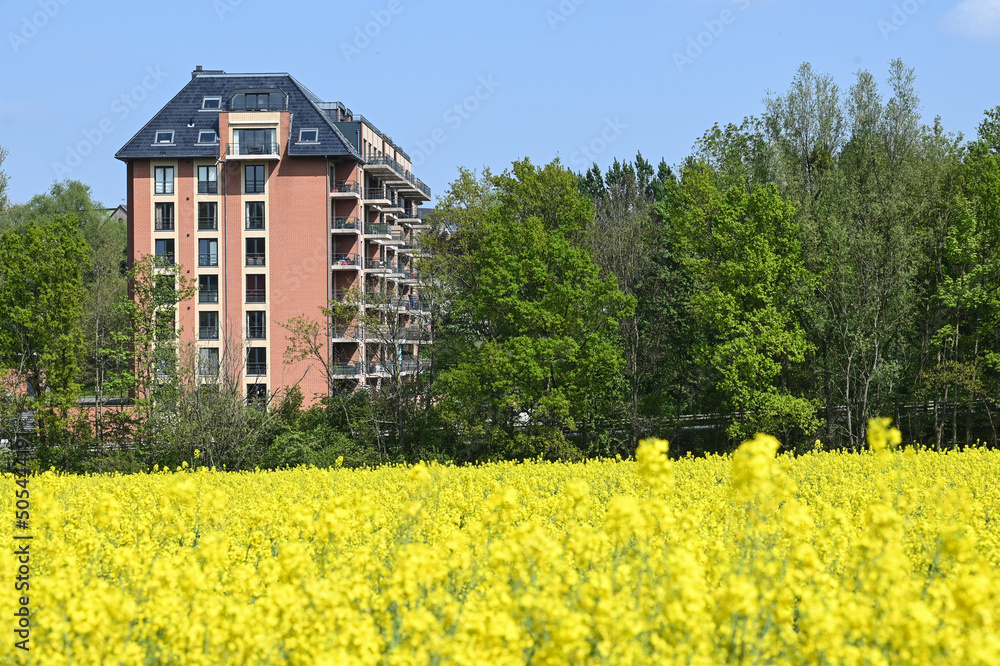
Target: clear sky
{"x": 470, "y": 83}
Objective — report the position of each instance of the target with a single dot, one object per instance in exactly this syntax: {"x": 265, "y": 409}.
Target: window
{"x": 164, "y": 177}
{"x": 254, "y": 178}
{"x": 255, "y": 252}
{"x": 208, "y": 252}
{"x": 164, "y": 251}
{"x": 208, "y": 325}
{"x": 256, "y": 289}
{"x": 208, "y": 136}
{"x": 208, "y": 215}
{"x": 255, "y": 215}
{"x": 163, "y": 214}
{"x": 308, "y": 136}
{"x": 257, "y": 396}
{"x": 165, "y": 136}
{"x": 208, "y": 362}
{"x": 208, "y": 180}
{"x": 256, "y": 361}
{"x": 256, "y": 141}
{"x": 208, "y": 288}
{"x": 257, "y": 101}
{"x": 211, "y": 103}
{"x": 256, "y": 325}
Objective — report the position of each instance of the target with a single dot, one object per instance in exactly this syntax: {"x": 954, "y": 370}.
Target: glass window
{"x": 211, "y": 103}
{"x": 256, "y": 141}
{"x": 208, "y": 252}
{"x": 165, "y": 136}
{"x": 256, "y": 361}
{"x": 164, "y": 177}
{"x": 256, "y": 289}
{"x": 256, "y": 325}
{"x": 255, "y": 215}
{"x": 208, "y": 136}
{"x": 257, "y": 396}
{"x": 208, "y": 362}
{"x": 208, "y": 180}
{"x": 254, "y": 178}
{"x": 255, "y": 252}
{"x": 164, "y": 251}
{"x": 208, "y": 288}
{"x": 163, "y": 214}
{"x": 308, "y": 135}
{"x": 208, "y": 325}
{"x": 208, "y": 215}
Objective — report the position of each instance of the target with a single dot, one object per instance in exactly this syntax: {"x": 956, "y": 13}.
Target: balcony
{"x": 376, "y": 229}
{"x": 372, "y": 264}
{"x": 346, "y": 369}
{"x": 344, "y": 190}
{"x": 254, "y": 151}
{"x": 377, "y": 195}
{"x": 343, "y": 332}
{"x": 402, "y": 177}
{"x": 349, "y": 261}
{"x": 255, "y": 259}
{"x": 351, "y": 224}
{"x": 411, "y": 219}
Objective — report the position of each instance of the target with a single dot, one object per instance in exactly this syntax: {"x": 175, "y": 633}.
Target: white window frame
{"x": 205, "y": 100}
{"x": 202, "y": 133}
{"x": 309, "y": 129}
{"x": 156, "y": 138}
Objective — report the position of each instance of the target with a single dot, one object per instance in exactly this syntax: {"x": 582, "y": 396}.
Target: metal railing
{"x": 256, "y": 148}
{"x": 208, "y": 332}
{"x": 345, "y": 222}
{"x": 343, "y": 187}
{"x": 376, "y": 194}
{"x": 208, "y": 223}
{"x": 376, "y": 264}
{"x": 377, "y": 228}
{"x": 256, "y": 295}
{"x": 345, "y": 260}
{"x": 208, "y": 259}
{"x": 208, "y": 296}
{"x": 257, "y": 332}
{"x": 400, "y": 170}
{"x": 255, "y": 259}
{"x": 256, "y": 368}
{"x": 346, "y": 369}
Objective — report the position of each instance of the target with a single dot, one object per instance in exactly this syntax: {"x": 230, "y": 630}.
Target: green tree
{"x": 741, "y": 244}
{"x": 533, "y": 325}
{"x": 41, "y": 295}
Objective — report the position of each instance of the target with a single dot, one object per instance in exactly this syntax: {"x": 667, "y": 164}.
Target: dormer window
{"x": 208, "y": 136}
{"x": 257, "y": 100}
{"x": 308, "y": 136}
{"x": 211, "y": 104}
{"x": 164, "y": 136}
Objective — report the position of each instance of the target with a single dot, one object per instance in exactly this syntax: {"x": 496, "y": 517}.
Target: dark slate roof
{"x": 185, "y": 108}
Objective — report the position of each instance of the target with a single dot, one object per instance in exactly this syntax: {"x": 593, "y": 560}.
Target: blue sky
{"x": 470, "y": 83}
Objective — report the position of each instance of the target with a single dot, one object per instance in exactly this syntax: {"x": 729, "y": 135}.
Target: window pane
{"x": 255, "y": 215}
{"x": 164, "y": 216}
{"x": 256, "y": 289}
{"x": 208, "y": 288}
{"x": 256, "y": 325}
{"x": 208, "y": 252}
{"x": 208, "y": 215}
{"x": 255, "y": 252}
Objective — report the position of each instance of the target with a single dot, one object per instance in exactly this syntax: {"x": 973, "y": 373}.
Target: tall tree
{"x": 537, "y": 353}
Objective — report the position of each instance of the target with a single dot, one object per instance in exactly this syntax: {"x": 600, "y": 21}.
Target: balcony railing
{"x": 256, "y": 369}
{"x": 350, "y": 222}
{"x": 346, "y": 369}
{"x": 206, "y": 296}
{"x": 401, "y": 171}
{"x": 164, "y": 260}
{"x": 346, "y": 260}
{"x": 208, "y": 187}
{"x": 208, "y": 223}
{"x": 377, "y": 194}
{"x": 256, "y": 295}
{"x": 266, "y": 148}
{"x": 343, "y": 331}
{"x": 343, "y": 187}
{"x": 208, "y": 259}
{"x": 257, "y": 332}
{"x": 376, "y": 228}
{"x": 208, "y": 332}
{"x": 255, "y": 259}
{"x": 164, "y": 224}
{"x": 255, "y": 222}
{"x": 376, "y": 264}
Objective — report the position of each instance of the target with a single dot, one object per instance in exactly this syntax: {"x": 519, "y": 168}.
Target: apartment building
{"x": 276, "y": 203}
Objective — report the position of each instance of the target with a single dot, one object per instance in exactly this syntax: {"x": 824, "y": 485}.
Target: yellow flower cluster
{"x": 825, "y": 558}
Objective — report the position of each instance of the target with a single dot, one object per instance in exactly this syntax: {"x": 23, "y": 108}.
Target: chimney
{"x": 197, "y": 70}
